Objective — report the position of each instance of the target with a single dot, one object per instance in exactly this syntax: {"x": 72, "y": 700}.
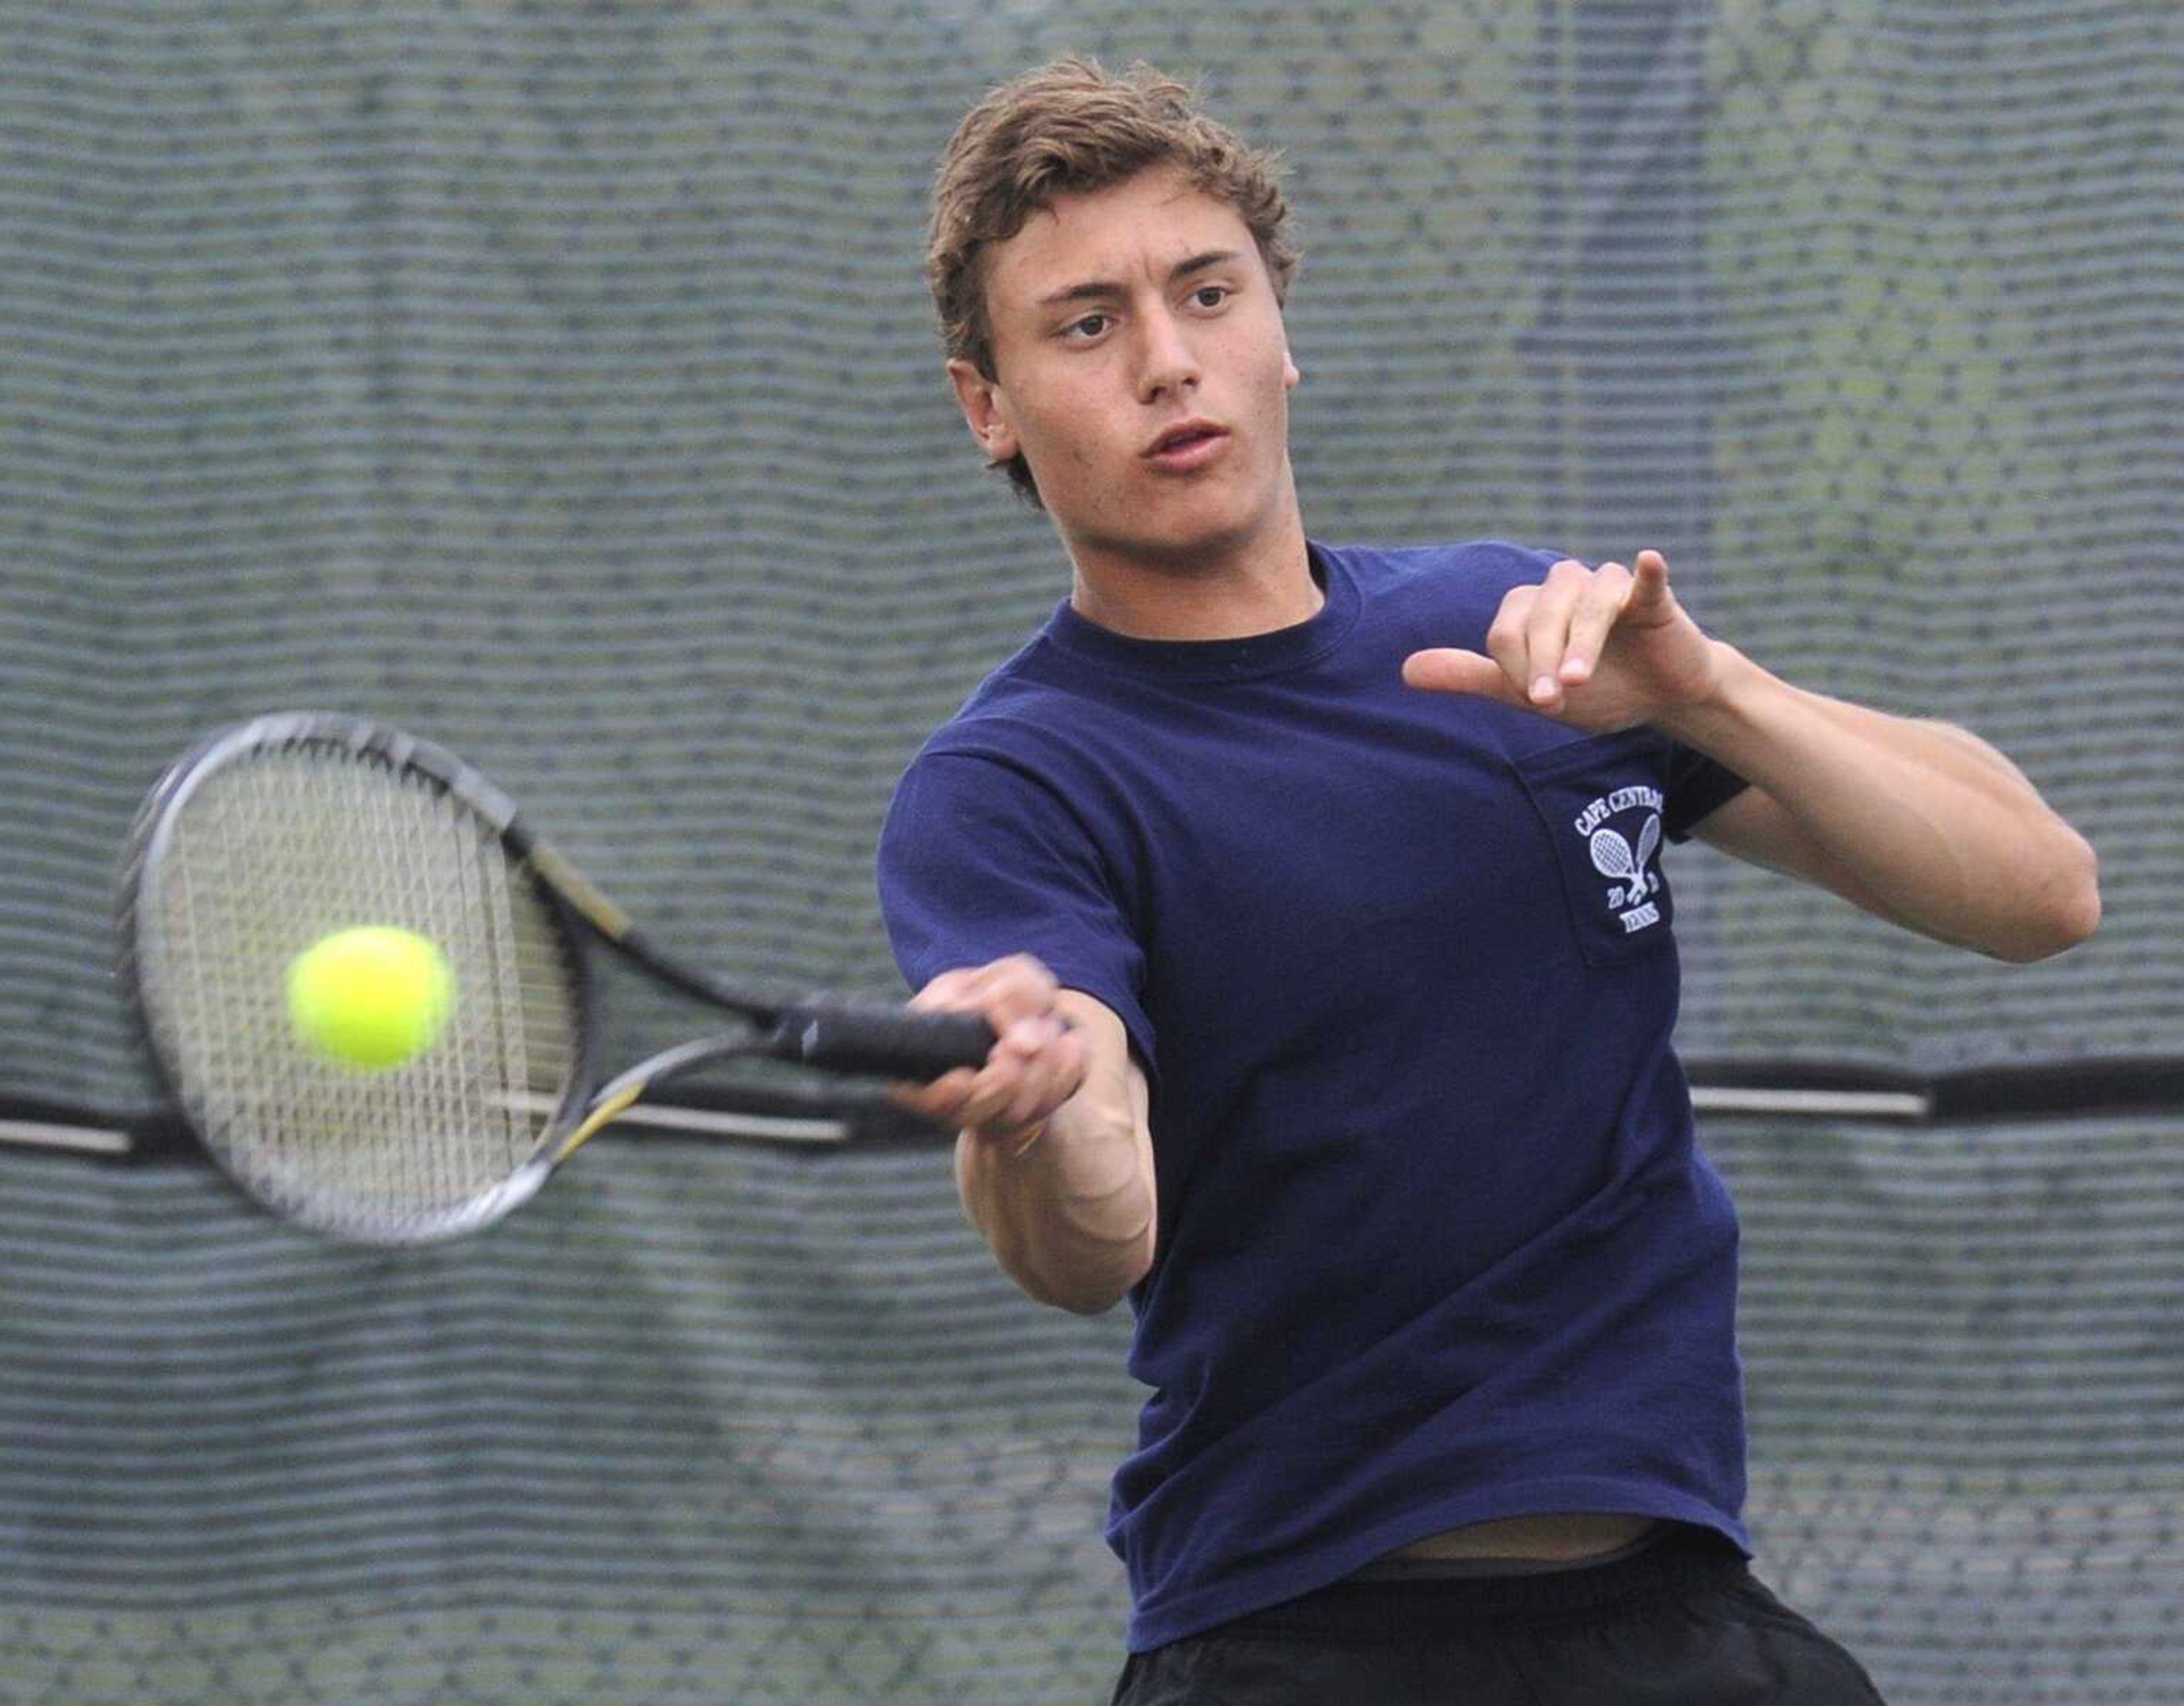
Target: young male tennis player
{"x": 1315, "y": 894}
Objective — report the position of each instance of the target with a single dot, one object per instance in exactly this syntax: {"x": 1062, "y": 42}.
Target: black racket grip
{"x": 890, "y": 1042}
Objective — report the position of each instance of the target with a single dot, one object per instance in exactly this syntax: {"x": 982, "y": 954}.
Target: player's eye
{"x": 1089, "y": 326}
{"x": 1212, "y": 295}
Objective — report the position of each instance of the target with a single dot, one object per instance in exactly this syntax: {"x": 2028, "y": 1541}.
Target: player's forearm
{"x": 1070, "y": 1218}
{"x": 1942, "y": 832}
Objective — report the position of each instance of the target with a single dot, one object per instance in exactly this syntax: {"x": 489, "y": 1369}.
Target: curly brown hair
{"x": 1073, "y": 127}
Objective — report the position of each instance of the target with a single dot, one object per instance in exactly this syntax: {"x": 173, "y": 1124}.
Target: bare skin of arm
{"x": 1054, "y": 1160}
{"x": 1899, "y": 815}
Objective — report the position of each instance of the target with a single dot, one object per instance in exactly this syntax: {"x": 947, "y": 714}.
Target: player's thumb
{"x": 1449, "y": 669}
{"x": 1649, "y": 580}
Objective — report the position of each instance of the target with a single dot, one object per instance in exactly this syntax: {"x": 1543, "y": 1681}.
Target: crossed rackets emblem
{"x": 1613, "y": 856}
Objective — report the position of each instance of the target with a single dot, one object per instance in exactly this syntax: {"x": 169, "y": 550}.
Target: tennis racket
{"x": 268, "y": 836}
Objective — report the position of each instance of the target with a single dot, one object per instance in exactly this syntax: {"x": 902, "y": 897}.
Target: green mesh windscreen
{"x": 559, "y": 382}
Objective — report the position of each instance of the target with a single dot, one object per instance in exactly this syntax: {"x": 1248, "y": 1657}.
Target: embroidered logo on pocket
{"x": 1625, "y": 859}
{"x": 1602, "y": 806}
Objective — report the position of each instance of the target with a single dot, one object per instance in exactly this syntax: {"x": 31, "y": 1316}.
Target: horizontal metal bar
{"x": 1822, "y": 1104}
{"x": 92, "y": 1139}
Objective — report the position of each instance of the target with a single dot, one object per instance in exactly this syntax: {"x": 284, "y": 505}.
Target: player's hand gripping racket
{"x": 271, "y": 837}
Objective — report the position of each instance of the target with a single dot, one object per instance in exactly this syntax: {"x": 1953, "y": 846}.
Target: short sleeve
{"x": 1697, "y": 787}
{"x": 978, "y": 860}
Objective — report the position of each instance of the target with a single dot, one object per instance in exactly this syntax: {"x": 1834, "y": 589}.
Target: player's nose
{"x": 1167, "y": 362}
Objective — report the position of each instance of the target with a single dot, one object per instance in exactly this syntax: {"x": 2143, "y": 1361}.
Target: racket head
{"x": 269, "y": 835}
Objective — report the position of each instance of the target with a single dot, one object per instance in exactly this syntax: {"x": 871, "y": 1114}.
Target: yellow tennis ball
{"x": 372, "y": 996}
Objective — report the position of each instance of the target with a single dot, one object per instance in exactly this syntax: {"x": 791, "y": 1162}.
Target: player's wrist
{"x": 1717, "y": 701}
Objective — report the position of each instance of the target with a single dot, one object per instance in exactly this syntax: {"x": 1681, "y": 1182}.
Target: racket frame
{"x": 150, "y": 835}
{"x": 814, "y": 1032}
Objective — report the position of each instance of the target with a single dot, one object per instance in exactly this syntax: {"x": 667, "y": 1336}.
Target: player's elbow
{"x": 1086, "y": 1287}
{"x": 2065, "y": 910}
{"x": 1113, "y": 1288}
{"x": 1092, "y": 1301}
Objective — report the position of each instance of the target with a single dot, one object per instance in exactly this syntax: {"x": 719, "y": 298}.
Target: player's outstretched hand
{"x": 1601, "y": 649}
{"x": 1037, "y": 1061}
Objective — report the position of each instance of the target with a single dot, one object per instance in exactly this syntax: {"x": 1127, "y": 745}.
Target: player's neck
{"x": 1253, "y": 588}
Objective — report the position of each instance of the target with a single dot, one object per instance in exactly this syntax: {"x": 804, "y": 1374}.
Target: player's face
{"x": 1142, "y": 370}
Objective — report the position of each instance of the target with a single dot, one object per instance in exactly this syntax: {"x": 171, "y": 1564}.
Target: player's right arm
{"x": 1055, "y": 1159}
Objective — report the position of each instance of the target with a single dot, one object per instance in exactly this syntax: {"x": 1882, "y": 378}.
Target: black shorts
{"x": 1682, "y": 1623}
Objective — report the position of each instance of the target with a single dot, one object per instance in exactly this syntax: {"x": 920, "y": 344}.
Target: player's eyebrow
{"x": 1097, "y": 288}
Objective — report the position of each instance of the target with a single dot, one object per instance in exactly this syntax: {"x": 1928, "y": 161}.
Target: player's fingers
{"x": 1058, "y": 1074}
{"x": 995, "y": 1084}
{"x": 1014, "y": 988}
{"x": 981, "y": 983}
{"x": 1449, "y": 669}
{"x": 1038, "y": 1065}
{"x": 1022, "y": 1041}
{"x": 1547, "y": 632}
{"x": 951, "y": 1098}
{"x": 1649, "y": 590}
{"x": 940, "y": 1100}
{"x": 969, "y": 1094}
{"x": 1073, "y": 1065}
{"x": 1004, "y": 1100}
{"x": 1498, "y": 673}
{"x": 1508, "y": 636}
{"x": 1593, "y": 619}
{"x": 1002, "y": 992}
{"x": 947, "y": 992}
{"x": 1034, "y": 1101}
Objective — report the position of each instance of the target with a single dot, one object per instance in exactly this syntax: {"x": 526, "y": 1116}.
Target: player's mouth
{"x": 1186, "y": 445}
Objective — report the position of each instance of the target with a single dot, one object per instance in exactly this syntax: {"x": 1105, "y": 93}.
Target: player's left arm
{"x": 1919, "y": 822}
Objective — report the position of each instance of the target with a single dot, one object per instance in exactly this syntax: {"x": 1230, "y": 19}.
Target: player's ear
{"x": 985, "y": 411}
{"x": 1291, "y": 376}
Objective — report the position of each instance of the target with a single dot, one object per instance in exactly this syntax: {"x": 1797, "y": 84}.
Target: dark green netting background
{"x": 558, "y": 382}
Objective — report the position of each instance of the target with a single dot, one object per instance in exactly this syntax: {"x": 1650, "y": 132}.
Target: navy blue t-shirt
{"x": 1436, "y": 1245}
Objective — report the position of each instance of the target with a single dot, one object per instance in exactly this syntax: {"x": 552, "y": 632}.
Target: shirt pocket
{"x": 1603, "y": 803}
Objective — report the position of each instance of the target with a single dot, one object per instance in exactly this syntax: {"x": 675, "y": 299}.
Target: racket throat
{"x": 620, "y": 1093}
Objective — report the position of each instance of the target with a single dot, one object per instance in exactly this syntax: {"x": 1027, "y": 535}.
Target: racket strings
{"x": 272, "y": 853}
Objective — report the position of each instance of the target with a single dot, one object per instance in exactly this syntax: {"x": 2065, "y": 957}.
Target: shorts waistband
{"x": 1681, "y": 1559}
